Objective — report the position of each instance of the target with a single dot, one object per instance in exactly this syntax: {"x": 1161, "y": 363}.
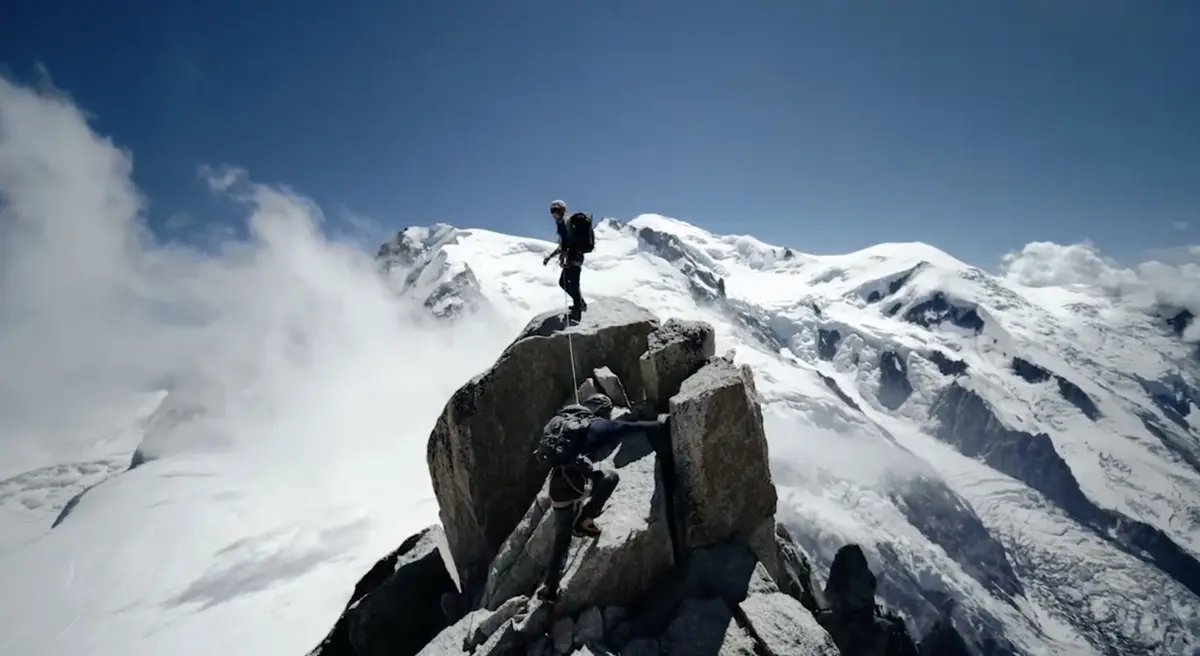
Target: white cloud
{"x": 1180, "y": 225}
{"x": 1147, "y": 286}
{"x": 310, "y": 352}
{"x": 223, "y": 177}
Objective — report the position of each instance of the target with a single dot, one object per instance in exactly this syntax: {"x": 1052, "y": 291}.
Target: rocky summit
{"x": 690, "y": 560}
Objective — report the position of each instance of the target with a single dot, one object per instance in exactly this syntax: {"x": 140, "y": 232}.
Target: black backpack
{"x": 563, "y": 437}
{"x": 580, "y": 236}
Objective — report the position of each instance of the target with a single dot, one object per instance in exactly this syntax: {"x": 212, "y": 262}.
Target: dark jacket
{"x": 566, "y": 256}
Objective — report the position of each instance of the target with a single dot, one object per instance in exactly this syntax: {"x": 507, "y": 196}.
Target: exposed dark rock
{"x": 894, "y": 388}
{"x": 966, "y": 421}
{"x": 1030, "y": 372}
{"x": 836, "y": 389}
{"x": 707, "y": 627}
{"x": 949, "y": 522}
{"x": 703, "y": 283}
{"x": 412, "y": 244}
{"x": 58, "y": 487}
{"x": 1180, "y": 321}
{"x": 1071, "y": 393}
{"x": 1182, "y": 446}
{"x": 757, "y": 328}
{"x": 673, "y": 352}
{"x": 137, "y": 459}
{"x": 407, "y": 583}
{"x": 69, "y": 507}
{"x": 943, "y": 639}
{"x": 884, "y": 287}
{"x": 946, "y": 365}
{"x": 796, "y": 572}
{"x": 851, "y": 584}
{"x": 610, "y": 384}
{"x": 827, "y": 343}
{"x": 664, "y": 244}
{"x": 853, "y": 619}
{"x": 938, "y": 309}
{"x": 723, "y": 480}
{"x": 455, "y": 297}
{"x": 1173, "y": 396}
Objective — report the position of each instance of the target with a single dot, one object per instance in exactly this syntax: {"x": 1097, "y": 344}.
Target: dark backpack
{"x": 564, "y": 435}
{"x": 580, "y": 236}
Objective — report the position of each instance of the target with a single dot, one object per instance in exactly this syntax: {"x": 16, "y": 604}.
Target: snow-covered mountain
{"x": 1030, "y": 453}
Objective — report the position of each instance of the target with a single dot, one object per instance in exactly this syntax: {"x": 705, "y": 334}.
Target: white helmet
{"x": 558, "y": 206}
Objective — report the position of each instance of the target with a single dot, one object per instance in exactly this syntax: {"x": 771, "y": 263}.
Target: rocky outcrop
{"x": 827, "y": 343}
{"x": 943, "y": 639}
{"x": 408, "y": 583}
{"x": 632, "y": 554}
{"x": 894, "y": 388}
{"x": 1071, "y": 393}
{"x": 610, "y": 384}
{"x": 703, "y": 275}
{"x": 937, "y": 309}
{"x": 690, "y": 559}
{"x": 947, "y": 365}
{"x": 479, "y": 458}
{"x": 673, "y": 353}
{"x": 722, "y": 479}
{"x": 857, "y": 624}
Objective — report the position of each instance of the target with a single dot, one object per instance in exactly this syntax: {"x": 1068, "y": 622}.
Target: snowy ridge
{"x": 942, "y": 417}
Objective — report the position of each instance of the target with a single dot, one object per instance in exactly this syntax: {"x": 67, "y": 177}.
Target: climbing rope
{"x": 571, "y": 350}
{"x": 578, "y": 506}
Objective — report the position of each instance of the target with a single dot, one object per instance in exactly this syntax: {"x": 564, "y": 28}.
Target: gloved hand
{"x": 546, "y": 260}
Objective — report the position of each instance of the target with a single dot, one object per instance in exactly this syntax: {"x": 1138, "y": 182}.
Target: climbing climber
{"x": 576, "y": 432}
{"x": 575, "y": 238}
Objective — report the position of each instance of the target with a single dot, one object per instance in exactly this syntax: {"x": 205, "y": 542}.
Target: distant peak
{"x": 412, "y": 242}
{"x": 914, "y": 251}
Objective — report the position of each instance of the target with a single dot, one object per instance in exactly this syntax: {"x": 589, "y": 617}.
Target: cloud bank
{"x": 1151, "y": 286}
{"x": 298, "y": 345}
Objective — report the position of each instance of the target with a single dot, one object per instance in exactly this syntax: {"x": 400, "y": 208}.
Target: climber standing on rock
{"x": 575, "y": 238}
{"x": 571, "y": 435}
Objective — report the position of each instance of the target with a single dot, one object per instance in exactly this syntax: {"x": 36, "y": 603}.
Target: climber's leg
{"x": 603, "y": 485}
{"x": 564, "y": 519}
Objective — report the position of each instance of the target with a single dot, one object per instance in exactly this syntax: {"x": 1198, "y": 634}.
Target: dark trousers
{"x": 601, "y": 433}
{"x": 569, "y": 281}
{"x": 603, "y": 485}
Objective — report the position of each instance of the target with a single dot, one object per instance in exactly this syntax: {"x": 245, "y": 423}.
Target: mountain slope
{"x": 1030, "y": 453}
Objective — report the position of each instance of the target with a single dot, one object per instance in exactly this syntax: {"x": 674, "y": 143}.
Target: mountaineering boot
{"x": 574, "y": 315}
{"x": 586, "y": 528}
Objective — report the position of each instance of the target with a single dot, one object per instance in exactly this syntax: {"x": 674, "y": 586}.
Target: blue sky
{"x": 826, "y": 126}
